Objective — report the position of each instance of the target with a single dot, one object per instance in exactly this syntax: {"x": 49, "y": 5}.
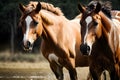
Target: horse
{"x": 115, "y": 14}
{"x": 60, "y": 37}
{"x": 100, "y": 39}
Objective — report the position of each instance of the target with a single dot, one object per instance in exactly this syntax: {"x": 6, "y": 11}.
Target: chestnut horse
{"x": 60, "y": 37}
{"x": 100, "y": 39}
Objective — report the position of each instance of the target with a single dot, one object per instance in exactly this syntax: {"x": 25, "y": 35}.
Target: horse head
{"x": 90, "y": 26}
{"x": 31, "y": 24}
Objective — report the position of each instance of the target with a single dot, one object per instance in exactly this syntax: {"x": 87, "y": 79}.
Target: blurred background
{"x": 11, "y": 35}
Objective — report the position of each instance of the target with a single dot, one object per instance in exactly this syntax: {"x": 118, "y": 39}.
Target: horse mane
{"x": 46, "y": 6}
{"x": 46, "y": 20}
{"x": 78, "y": 16}
{"x": 106, "y": 7}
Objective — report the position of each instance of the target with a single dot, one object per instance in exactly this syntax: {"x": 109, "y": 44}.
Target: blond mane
{"x": 46, "y": 6}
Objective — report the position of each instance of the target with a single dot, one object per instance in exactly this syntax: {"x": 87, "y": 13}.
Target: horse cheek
{"x": 98, "y": 32}
{"x": 39, "y": 30}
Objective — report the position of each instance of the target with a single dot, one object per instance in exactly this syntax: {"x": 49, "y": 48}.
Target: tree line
{"x": 11, "y": 34}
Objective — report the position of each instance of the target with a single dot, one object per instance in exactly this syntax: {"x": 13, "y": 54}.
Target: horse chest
{"x": 53, "y": 57}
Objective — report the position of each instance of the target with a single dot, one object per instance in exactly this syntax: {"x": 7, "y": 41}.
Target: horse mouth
{"x": 27, "y": 46}
{"x": 27, "y": 49}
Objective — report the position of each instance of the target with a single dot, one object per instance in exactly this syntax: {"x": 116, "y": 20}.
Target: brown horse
{"x": 100, "y": 39}
{"x": 60, "y": 37}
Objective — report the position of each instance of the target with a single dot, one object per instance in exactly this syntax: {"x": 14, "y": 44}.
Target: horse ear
{"x": 81, "y": 8}
{"x": 98, "y": 8}
{"x": 38, "y": 8}
{"x": 21, "y": 7}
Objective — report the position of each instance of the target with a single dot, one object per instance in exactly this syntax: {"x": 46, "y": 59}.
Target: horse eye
{"x": 81, "y": 23}
{"x": 35, "y": 22}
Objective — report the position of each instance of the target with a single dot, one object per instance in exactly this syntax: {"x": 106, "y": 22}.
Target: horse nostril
{"x": 84, "y": 48}
{"x": 88, "y": 49}
{"x": 28, "y": 44}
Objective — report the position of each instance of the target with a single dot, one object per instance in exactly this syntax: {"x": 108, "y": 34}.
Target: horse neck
{"x": 48, "y": 35}
{"x": 49, "y": 30}
{"x": 109, "y": 30}
{"x": 101, "y": 48}
{"x": 105, "y": 21}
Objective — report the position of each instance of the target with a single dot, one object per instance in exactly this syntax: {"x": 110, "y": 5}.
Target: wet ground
{"x": 24, "y": 74}
{"x": 34, "y": 71}
{"x": 38, "y": 70}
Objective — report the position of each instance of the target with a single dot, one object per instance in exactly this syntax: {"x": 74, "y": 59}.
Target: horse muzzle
{"x": 28, "y": 46}
{"x": 85, "y": 49}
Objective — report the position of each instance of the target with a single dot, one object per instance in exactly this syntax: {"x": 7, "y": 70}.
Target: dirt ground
{"x": 34, "y": 71}
{"x": 36, "y": 74}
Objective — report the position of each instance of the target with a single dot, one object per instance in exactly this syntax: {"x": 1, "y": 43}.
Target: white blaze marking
{"x": 53, "y": 57}
{"x": 90, "y": 45}
{"x": 28, "y": 21}
{"x": 88, "y": 21}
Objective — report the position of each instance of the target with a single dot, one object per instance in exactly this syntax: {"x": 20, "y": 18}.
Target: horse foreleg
{"x": 73, "y": 74}
{"x": 71, "y": 68}
{"x": 57, "y": 69}
{"x": 113, "y": 74}
{"x": 89, "y": 77}
{"x": 96, "y": 72}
